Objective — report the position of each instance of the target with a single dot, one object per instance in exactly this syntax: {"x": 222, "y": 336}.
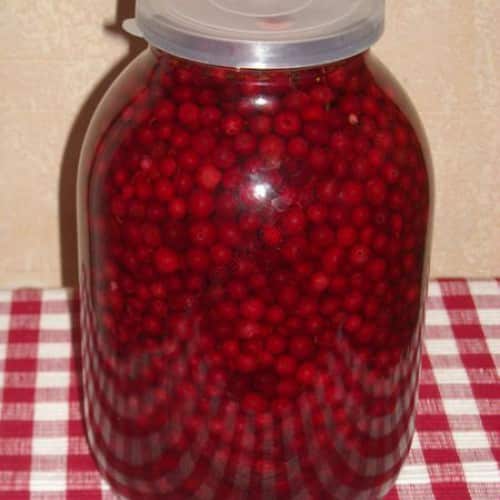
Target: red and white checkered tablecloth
{"x": 455, "y": 453}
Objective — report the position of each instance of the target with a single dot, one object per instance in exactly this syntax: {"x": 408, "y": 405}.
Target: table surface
{"x": 455, "y": 452}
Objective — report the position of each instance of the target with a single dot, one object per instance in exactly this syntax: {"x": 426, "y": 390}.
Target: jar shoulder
{"x": 390, "y": 85}
{"x": 124, "y": 90}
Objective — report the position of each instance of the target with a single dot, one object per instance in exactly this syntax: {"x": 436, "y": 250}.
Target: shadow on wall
{"x": 67, "y": 184}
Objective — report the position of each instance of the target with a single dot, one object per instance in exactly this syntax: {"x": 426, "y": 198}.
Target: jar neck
{"x": 170, "y": 59}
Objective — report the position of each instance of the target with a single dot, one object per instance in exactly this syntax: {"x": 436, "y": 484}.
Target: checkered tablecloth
{"x": 456, "y": 450}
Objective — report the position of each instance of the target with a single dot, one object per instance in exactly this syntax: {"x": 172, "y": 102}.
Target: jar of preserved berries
{"x": 254, "y": 210}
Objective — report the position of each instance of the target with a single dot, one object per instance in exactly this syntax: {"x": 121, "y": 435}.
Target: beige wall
{"x": 57, "y": 57}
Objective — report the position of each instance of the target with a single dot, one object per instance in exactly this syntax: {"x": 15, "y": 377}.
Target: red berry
{"x": 317, "y": 213}
{"x": 201, "y": 204}
{"x": 252, "y": 309}
{"x": 319, "y": 282}
{"x": 255, "y": 403}
{"x": 189, "y": 113}
{"x": 321, "y": 94}
{"x": 337, "y": 77}
{"x": 164, "y": 110}
{"x": 391, "y": 173}
{"x": 332, "y": 259}
{"x": 376, "y": 192}
{"x": 301, "y": 347}
{"x": 346, "y": 236}
{"x": 297, "y": 147}
{"x": 249, "y": 330}
{"x": 271, "y": 236}
{"x": 202, "y": 233}
{"x": 285, "y": 365}
{"x": 359, "y": 255}
{"x": 351, "y": 193}
{"x": 293, "y": 221}
{"x": 307, "y": 374}
{"x": 361, "y": 216}
{"x": 245, "y": 143}
{"x": 287, "y": 388}
{"x": 275, "y": 315}
{"x": 275, "y": 344}
{"x": 166, "y": 260}
{"x": 353, "y": 324}
{"x": 246, "y": 363}
{"x": 209, "y": 176}
{"x": 314, "y": 113}
{"x": 220, "y": 254}
{"x": 376, "y": 269}
{"x": 223, "y": 157}
{"x": 164, "y": 190}
{"x": 177, "y": 208}
{"x": 151, "y": 235}
{"x": 261, "y": 124}
{"x": 232, "y": 124}
{"x": 197, "y": 259}
{"x": 188, "y": 160}
{"x": 272, "y": 147}
{"x": 287, "y": 123}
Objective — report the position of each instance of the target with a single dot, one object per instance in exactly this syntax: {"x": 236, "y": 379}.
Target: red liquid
{"x": 253, "y": 269}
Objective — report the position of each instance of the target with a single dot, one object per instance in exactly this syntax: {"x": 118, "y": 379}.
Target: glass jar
{"x": 253, "y": 239}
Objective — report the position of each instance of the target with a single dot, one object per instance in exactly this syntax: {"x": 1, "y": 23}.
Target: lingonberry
{"x": 261, "y": 124}
{"x": 197, "y": 259}
{"x": 166, "y": 260}
{"x": 275, "y": 344}
{"x": 189, "y": 113}
{"x": 301, "y": 347}
{"x": 232, "y": 124}
{"x": 177, "y": 208}
{"x": 297, "y": 147}
{"x": 306, "y": 374}
{"x": 202, "y": 233}
{"x": 319, "y": 282}
{"x": 359, "y": 255}
{"x": 209, "y": 176}
{"x": 322, "y": 236}
{"x": 221, "y": 255}
{"x": 293, "y": 221}
{"x": 246, "y": 363}
{"x": 201, "y": 204}
{"x": 252, "y": 309}
{"x": 245, "y": 143}
{"x": 317, "y": 213}
{"x": 285, "y": 365}
{"x": 351, "y": 193}
{"x": 164, "y": 190}
{"x": 272, "y": 147}
{"x": 287, "y": 123}
{"x": 346, "y": 236}
{"x": 275, "y": 315}
{"x": 376, "y": 192}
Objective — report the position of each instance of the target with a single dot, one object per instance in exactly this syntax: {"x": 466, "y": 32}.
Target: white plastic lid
{"x": 260, "y": 33}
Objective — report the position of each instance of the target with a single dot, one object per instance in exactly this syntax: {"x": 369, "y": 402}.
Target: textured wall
{"x": 57, "y": 58}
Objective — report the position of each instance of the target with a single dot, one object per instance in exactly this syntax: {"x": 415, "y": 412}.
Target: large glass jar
{"x": 253, "y": 242}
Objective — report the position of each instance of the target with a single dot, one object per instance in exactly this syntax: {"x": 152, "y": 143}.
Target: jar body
{"x": 253, "y": 264}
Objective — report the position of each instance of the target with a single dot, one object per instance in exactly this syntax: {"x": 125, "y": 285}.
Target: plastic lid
{"x": 260, "y": 33}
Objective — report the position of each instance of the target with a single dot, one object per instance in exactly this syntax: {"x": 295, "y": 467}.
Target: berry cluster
{"x": 250, "y": 228}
